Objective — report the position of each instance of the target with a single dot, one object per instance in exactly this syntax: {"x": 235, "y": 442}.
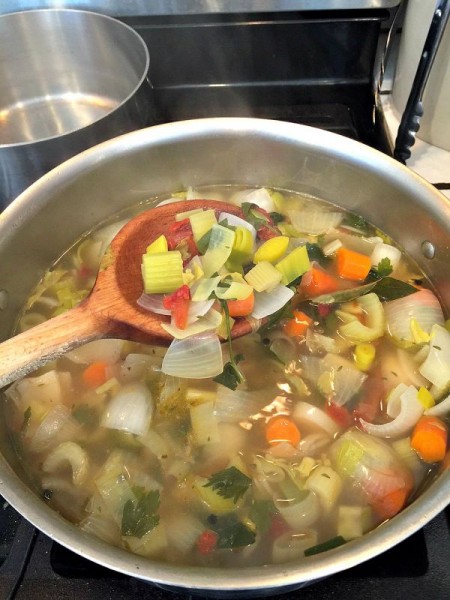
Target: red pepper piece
{"x": 180, "y": 232}
{"x": 178, "y": 303}
{"x": 339, "y": 414}
{"x": 207, "y": 541}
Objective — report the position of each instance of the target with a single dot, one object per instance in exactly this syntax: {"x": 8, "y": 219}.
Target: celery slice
{"x": 162, "y": 272}
{"x": 202, "y": 222}
{"x": 293, "y": 265}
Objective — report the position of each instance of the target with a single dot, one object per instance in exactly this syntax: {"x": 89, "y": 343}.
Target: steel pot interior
{"x": 49, "y": 216}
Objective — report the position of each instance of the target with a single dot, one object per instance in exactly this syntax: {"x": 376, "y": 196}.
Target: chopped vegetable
{"x": 158, "y": 246}
{"x": 293, "y": 265}
{"x": 207, "y": 542}
{"x": 230, "y": 483}
{"x": 298, "y": 325}
{"x": 263, "y": 277}
{"x": 364, "y": 355}
{"x": 281, "y": 429}
{"x": 242, "y": 250}
{"x": 316, "y": 282}
{"x": 352, "y": 265}
{"x": 272, "y": 250}
{"x": 241, "y": 308}
{"x": 95, "y": 374}
{"x": 429, "y": 439}
{"x": 162, "y": 272}
{"x": 178, "y": 303}
{"x": 202, "y": 222}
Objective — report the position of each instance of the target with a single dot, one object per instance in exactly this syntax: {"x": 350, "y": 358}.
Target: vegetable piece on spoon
{"x": 111, "y": 309}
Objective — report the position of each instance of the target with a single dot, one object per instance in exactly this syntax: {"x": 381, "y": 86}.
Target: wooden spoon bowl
{"x": 111, "y": 309}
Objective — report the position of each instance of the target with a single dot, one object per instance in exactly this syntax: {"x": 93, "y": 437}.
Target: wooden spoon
{"x": 111, "y": 309}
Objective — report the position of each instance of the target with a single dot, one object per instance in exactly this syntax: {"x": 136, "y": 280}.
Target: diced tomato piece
{"x": 278, "y": 526}
{"x": 178, "y": 304}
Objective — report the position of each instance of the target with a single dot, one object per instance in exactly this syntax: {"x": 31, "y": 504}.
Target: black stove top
{"x": 310, "y": 68}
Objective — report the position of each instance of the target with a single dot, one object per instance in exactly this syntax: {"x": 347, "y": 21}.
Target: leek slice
{"x": 235, "y": 291}
{"x": 209, "y": 322}
{"x": 219, "y": 249}
{"x": 158, "y": 246}
{"x": 202, "y": 290}
{"x": 294, "y": 264}
{"x": 202, "y": 222}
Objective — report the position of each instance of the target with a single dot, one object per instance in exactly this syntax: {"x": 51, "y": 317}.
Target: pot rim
{"x": 410, "y": 520}
{"x": 137, "y": 86}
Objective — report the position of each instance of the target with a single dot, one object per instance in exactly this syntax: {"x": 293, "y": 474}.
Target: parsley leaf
{"x": 384, "y": 267}
{"x": 231, "y": 376}
{"x": 260, "y": 513}
{"x": 355, "y": 222}
{"x": 234, "y": 534}
{"x": 230, "y": 483}
{"x": 86, "y": 415}
{"x": 139, "y": 517}
{"x": 277, "y": 217}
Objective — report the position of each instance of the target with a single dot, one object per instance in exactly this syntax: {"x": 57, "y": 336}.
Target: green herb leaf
{"x": 260, "y": 513}
{"x": 355, "y": 221}
{"x": 231, "y": 376}
{"x": 344, "y": 295}
{"x": 277, "y": 217}
{"x": 230, "y": 483}
{"x": 86, "y": 415}
{"x": 315, "y": 253}
{"x": 390, "y": 288}
{"x": 384, "y": 267}
{"x": 203, "y": 242}
{"x": 139, "y": 517}
{"x": 232, "y": 533}
{"x": 328, "y": 545}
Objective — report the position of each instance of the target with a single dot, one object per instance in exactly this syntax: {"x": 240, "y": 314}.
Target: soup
{"x": 317, "y": 427}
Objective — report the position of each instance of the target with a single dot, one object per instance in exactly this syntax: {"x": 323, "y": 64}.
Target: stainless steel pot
{"x": 51, "y": 214}
{"x": 69, "y": 79}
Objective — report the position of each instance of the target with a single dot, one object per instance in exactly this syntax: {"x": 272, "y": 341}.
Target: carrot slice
{"x": 352, "y": 265}
{"x": 316, "y": 282}
{"x": 282, "y": 429}
{"x": 298, "y": 325}
{"x": 95, "y": 374}
{"x": 241, "y": 308}
{"x": 429, "y": 439}
{"x": 391, "y": 504}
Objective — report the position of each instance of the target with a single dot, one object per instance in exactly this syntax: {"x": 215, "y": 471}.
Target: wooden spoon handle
{"x": 31, "y": 349}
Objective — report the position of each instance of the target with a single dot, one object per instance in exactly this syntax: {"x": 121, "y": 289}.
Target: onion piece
{"x": 153, "y": 303}
{"x": 209, "y": 322}
{"x": 291, "y": 546}
{"x": 130, "y": 410}
{"x": 308, "y": 414}
{"x": 299, "y": 514}
{"x": 383, "y": 250}
{"x": 236, "y": 221}
{"x": 58, "y": 426}
{"x": 410, "y": 412}
{"x": 107, "y": 351}
{"x": 440, "y": 409}
{"x": 421, "y": 307}
{"x": 267, "y": 303}
{"x": 198, "y": 309}
{"x": 195, "y": 357}
{"x": 316, "y": 222}
{"x": 260, "y": 197}
{"x": 436, "y": 367}
{"x": 69, "y": 452}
